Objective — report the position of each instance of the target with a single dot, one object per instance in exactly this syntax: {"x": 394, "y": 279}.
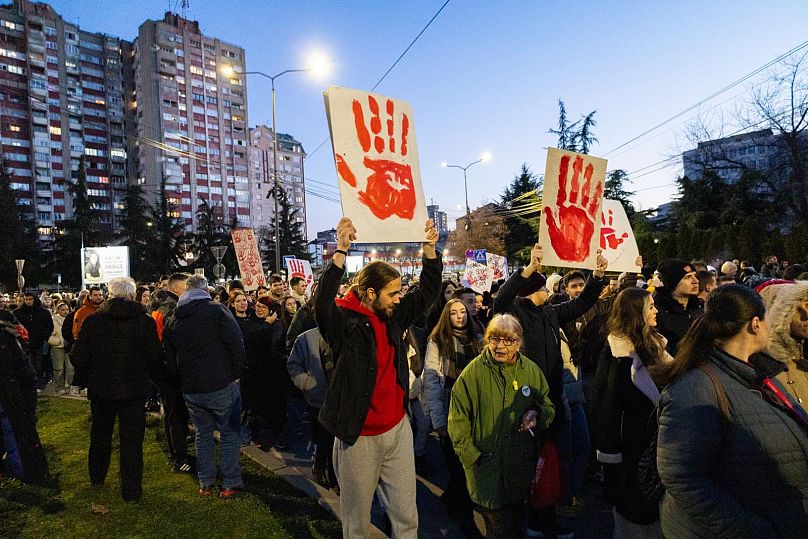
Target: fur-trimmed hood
{"x": 780, "y": 309}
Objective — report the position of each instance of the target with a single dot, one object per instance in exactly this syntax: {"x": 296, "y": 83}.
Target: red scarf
{"x": 387, "y": 402}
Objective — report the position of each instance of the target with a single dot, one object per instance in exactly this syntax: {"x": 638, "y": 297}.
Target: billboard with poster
{"x": 100, "y": 264}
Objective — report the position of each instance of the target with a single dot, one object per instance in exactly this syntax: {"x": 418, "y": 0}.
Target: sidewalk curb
{"x": 274, "y": 462}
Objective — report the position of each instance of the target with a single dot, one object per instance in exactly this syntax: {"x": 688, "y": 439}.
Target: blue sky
{"x": 487, "y": 75}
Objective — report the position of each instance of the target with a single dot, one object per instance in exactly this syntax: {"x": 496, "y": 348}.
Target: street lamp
{"x": 318, "y": 65}
{"x": 484, "y": 157}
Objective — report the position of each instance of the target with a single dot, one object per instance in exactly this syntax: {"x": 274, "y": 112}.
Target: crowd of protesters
{"x": 681, "y": 388}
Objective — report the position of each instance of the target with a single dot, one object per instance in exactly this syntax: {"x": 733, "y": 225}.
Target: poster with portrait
{"x": 617, "y": 239}
{"x": 569, "y": 226}
{"x": 300, "y": 268}
{"x": 376, "y": 155}
{"x": 100, "y": 264}
{"x": 248, "y": 256}
{"x": 478, "y": 276}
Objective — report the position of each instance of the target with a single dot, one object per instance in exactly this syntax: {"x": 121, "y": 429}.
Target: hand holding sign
{"x": 571, "y": 230}
{"x": 600, "y": 265}
{"x": 431, "y": 239}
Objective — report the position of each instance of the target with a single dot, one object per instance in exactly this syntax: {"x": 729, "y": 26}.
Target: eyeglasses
{"x": 503, "y": 340}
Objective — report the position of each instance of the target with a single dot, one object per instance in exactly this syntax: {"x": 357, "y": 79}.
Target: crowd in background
{"x": 640, "y": 382}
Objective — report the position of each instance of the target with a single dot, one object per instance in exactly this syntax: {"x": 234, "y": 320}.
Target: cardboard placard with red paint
{"x": 617, "y": 239}
{"x": 300, "y": 268}
{"x": 498, "y": 264}
{"x": 478, "y": 276}
{"x": 569, "y": 228}
{"x": 249, "y": 258}
{"x": 379, "y": 175}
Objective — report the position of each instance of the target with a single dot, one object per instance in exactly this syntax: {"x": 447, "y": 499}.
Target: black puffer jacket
{"x": 351, "y": 338}
{"x": 747, "y": 478}
{"x": 542, "y": 342}
{"x": 673, "y": 320}
{"x": 38, "y": 321}
{"x": 119, "y": 352}
{"x": 204, "y": 344}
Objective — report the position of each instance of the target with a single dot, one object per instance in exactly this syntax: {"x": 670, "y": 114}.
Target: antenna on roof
{"x": 184, "y": 5}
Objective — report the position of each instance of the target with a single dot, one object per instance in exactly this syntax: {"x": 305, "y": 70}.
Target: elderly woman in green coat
{"x": 499, "y": 404}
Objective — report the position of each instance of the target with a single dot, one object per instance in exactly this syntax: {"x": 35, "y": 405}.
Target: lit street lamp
{"x": 485, "y": 157}
{"x": 318, "y": 66}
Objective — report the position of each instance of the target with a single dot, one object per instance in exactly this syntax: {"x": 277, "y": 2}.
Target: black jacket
{"x": 625, "y": 398}
{"x": 541, "y": 341}
{"x": 38, "y": 321}
{"x": 673, "y": 320}
{"x": 119, "y": 352}
{"x": 351, "y": 338}
{"x": 301, "y": 322}
{"x": 204, "y": 345}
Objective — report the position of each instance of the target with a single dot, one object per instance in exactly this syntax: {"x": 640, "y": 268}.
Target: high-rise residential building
{"x": 290, "y": 175}
{"x": 440, "y": 218}
{"x": 190, "y": 113}
{"x": 61, "y": 98}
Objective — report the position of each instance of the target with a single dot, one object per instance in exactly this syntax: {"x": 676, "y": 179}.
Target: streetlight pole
{"x": 275, "y": 180}
{"x": 483, "y": 158}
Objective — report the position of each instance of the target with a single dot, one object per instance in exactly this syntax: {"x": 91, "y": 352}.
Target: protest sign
{"x": 100, "y": 264}
{"x": 478, "y": 276}
{"x": 376, "y": 155}
{"x": 498, "y": 264}
{"x": 617, "y": 239}
{"x": 300, "y": 268}
{"x": 249, "y": 258}
{"x": 569, "y": 229}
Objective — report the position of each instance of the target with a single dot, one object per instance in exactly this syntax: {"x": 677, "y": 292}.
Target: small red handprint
{"x": 608, "y": 236}
{"x": 389, "y": 189}
{"x": 571, "y": 231}
{"x": 298, "y": 269}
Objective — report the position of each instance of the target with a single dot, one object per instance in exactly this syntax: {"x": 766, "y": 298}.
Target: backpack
{"x": 651, "y": 486}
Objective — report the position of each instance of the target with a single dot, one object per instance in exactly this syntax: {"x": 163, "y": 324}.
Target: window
{"x": 14, "y": 127}
{"x": 55, "y": 130}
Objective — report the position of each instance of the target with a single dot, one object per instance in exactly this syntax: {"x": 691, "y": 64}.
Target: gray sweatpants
{"x": 385, "y": 460}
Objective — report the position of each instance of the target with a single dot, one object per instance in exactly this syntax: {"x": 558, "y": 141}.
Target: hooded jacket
{"x": 353, "y": 343}
{"x": 305, "y": 367}
{"x": 780, "y": 309}
{"x": 37, "y": 320}
{"x": 673, "y": 320}
{"x": 118, "y": 351}
{"x": 203, "y": 343}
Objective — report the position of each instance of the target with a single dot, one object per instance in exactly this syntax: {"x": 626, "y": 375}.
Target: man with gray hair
{"x": 206, "y": 352}
{"x": 120, "y": 354}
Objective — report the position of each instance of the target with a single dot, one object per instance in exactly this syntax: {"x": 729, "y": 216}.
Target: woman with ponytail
{"x": 732, "y": 449}
{"x": 627, "y": 386}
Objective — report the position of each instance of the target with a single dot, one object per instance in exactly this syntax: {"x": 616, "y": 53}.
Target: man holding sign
{"x": 366, "y": 401}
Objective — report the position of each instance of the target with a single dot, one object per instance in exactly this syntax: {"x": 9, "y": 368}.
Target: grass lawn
{"x": 170, "y": 506}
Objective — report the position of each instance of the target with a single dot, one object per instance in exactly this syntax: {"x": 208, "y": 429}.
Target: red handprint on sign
{"x": 389, "y": 189}
{"x": 298, "y": 269}
{"x": 608, "y": 236}
{"x": 571, "y": 230}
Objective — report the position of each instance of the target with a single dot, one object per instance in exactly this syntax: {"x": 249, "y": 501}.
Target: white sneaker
{"x": 83, "y": 392}
{"x": 74, "y": 391}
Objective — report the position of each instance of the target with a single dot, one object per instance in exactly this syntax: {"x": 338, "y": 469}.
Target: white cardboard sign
{"x": 479, "y": 276}
{"x": 617, "y": 239}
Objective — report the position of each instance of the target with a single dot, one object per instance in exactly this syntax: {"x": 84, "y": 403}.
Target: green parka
{"x": 488, "y": 402}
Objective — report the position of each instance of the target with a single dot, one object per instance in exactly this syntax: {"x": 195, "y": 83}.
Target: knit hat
{"x": 534, "y": 283}
{"x": 552, "y": 281}
{"x": 728, "y": 268}
{"x": 671, "y": 271}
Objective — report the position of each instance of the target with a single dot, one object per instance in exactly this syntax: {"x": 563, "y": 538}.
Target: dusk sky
{"x": 486, "y": 76}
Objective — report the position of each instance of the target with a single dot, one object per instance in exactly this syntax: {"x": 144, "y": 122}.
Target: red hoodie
{"x": 387, "y": 401}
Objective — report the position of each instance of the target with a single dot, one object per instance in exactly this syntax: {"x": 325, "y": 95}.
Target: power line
{"x": 401, "y": 56}
{"x": 713, "y": 95}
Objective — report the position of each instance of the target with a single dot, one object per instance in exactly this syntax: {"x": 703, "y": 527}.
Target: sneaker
{"x": 230, "y": 493}
{"x": 206, "y": 492}
{"x": 183, "y": 465}
{"x": 74, "y": 391}
{"x": 83, "y": 392}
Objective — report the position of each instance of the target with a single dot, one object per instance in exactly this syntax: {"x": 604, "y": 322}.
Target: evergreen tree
{"x": 170, "y": 243}
{"x": 523, "y": 205}
{"x": 138, "y": 233}
{"x": 575, "y": 136}
{"x": 19, "y": 238}
{"x": 292, "y": 241}
{"x": 614, "y": 189}
{"x": 210, "y": 232}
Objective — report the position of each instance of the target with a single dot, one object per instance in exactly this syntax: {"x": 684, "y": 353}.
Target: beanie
{"x": 552, "y": 281}
{"x": 671, "y": 271}
{"x": 533, "y": 284}
{"x": 728, "y": 268}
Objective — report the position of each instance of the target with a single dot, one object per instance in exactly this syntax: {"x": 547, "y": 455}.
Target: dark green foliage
{"x": 524, "y": 206}
{"x": 292, "y": 240}
{"x": 18, "y": 236}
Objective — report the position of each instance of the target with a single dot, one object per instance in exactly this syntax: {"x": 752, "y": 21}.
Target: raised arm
{"x": 326, "y": 313}
{"x": 508, "y": 292}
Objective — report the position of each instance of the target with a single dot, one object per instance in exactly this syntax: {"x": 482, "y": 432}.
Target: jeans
{"x": 131, "y": 429}
{"x": 218, "y": 410}
{"x": 573, "y": 447}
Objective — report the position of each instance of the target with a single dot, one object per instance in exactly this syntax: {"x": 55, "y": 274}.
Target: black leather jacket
{"x": 353, "y": 344}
